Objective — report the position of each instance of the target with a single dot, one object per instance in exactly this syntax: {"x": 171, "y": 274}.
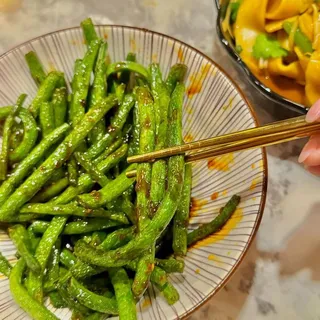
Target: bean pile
{"x": 88, "y": 237}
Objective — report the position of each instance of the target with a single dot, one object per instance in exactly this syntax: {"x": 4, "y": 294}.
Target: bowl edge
{"x": 256, "y": 121}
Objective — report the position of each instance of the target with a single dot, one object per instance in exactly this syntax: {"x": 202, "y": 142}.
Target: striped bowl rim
{"x": 252, "y": 113}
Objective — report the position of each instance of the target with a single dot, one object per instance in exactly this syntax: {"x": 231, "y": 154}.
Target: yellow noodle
{"x": 282, "y": 9}
{"x": 303, "y": 59}
{"x": 316, "y": 26}
{"x": 276, "y": 25}
{"x": 226, "y": 22}
{"x": 313, "y": 79}
{"x": 293, "y": 70}
{"x": 306, "y": 24}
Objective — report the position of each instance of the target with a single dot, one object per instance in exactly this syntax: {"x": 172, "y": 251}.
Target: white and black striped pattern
{"x": 218, "y": 108}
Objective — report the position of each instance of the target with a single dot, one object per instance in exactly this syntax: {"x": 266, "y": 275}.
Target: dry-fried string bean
{"x": 50, "y": 83}
{"x": 51, "y": 191}
{"x": 88, "y": 31}
{"x": 20, "y": 238}
{"x": 5, "y": 266}
{"x": 35, "y": 309}
{"x": 181, "y": 218}
{"x": 122, "y": 288}
{"x": 46, "y": 118}
{"x": 112, "y": 190}
{"x": 35, "y": 66}
{"x": 4, "y": 156}
{"x": 30, "y": 134}
{"x": 95, "y": 174}
{"x": 161, "y": 105}
{"x": 176, "y": 75}
{"x": 72, "y": 209}
{"x": 92, "y": 300}
{"x": 114, "y": 129}
{"x": 98, "y": 92}
{"x": 81, "y": 83}
{"x": 216, "y": 224}
{"x": 148, "y": 121}
{"x": 5, "y": 112}
{"x": 77, "y": 227}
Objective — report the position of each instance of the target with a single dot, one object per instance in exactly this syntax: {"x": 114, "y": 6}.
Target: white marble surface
{"x": 280, "y": 276}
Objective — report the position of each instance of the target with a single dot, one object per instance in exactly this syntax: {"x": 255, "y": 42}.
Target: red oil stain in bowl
{"x": 188, "y": 138}
{"x": 196, "y": 205}
{"x": 194, "y": 88}
{"x": 261, "y": 164}
{"x": 254, "y": 183}
{"x": 213, "y": 257}
{"x": 214, "y": 196}
{"x": 197, "y": 81}
{"x": 221, "y": 163}
{"x": 146, "y": 303}
{"x": 189, "y": 109}
{"x": 155, "y": 58}
{"x": 228, "y": 105}
{"x": 224, "y": 192}
{"x": 181, "y": 55}
{"x": 133, "y": 45}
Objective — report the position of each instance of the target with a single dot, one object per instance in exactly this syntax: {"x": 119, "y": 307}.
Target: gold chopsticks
{"x": 274, "y": 133}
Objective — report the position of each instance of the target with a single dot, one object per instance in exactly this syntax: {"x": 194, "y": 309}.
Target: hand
{"x": 310, "y": 155}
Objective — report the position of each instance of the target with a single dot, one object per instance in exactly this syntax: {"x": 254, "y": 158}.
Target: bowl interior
{"x": 229, "y": 45}
{"x": 213, "y": 106}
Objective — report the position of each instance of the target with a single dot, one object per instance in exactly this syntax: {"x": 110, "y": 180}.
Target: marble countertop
{"x": 280, "y": 276}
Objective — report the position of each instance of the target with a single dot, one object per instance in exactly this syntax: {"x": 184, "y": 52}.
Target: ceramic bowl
{"x": 213, "y": 105}
{"x": 229, "y": 46}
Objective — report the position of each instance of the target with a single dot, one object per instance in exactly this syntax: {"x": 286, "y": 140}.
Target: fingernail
{"x": 314, "y": 113}
{"x": 309, "y": 148}
{"x": 305, "y": 153}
